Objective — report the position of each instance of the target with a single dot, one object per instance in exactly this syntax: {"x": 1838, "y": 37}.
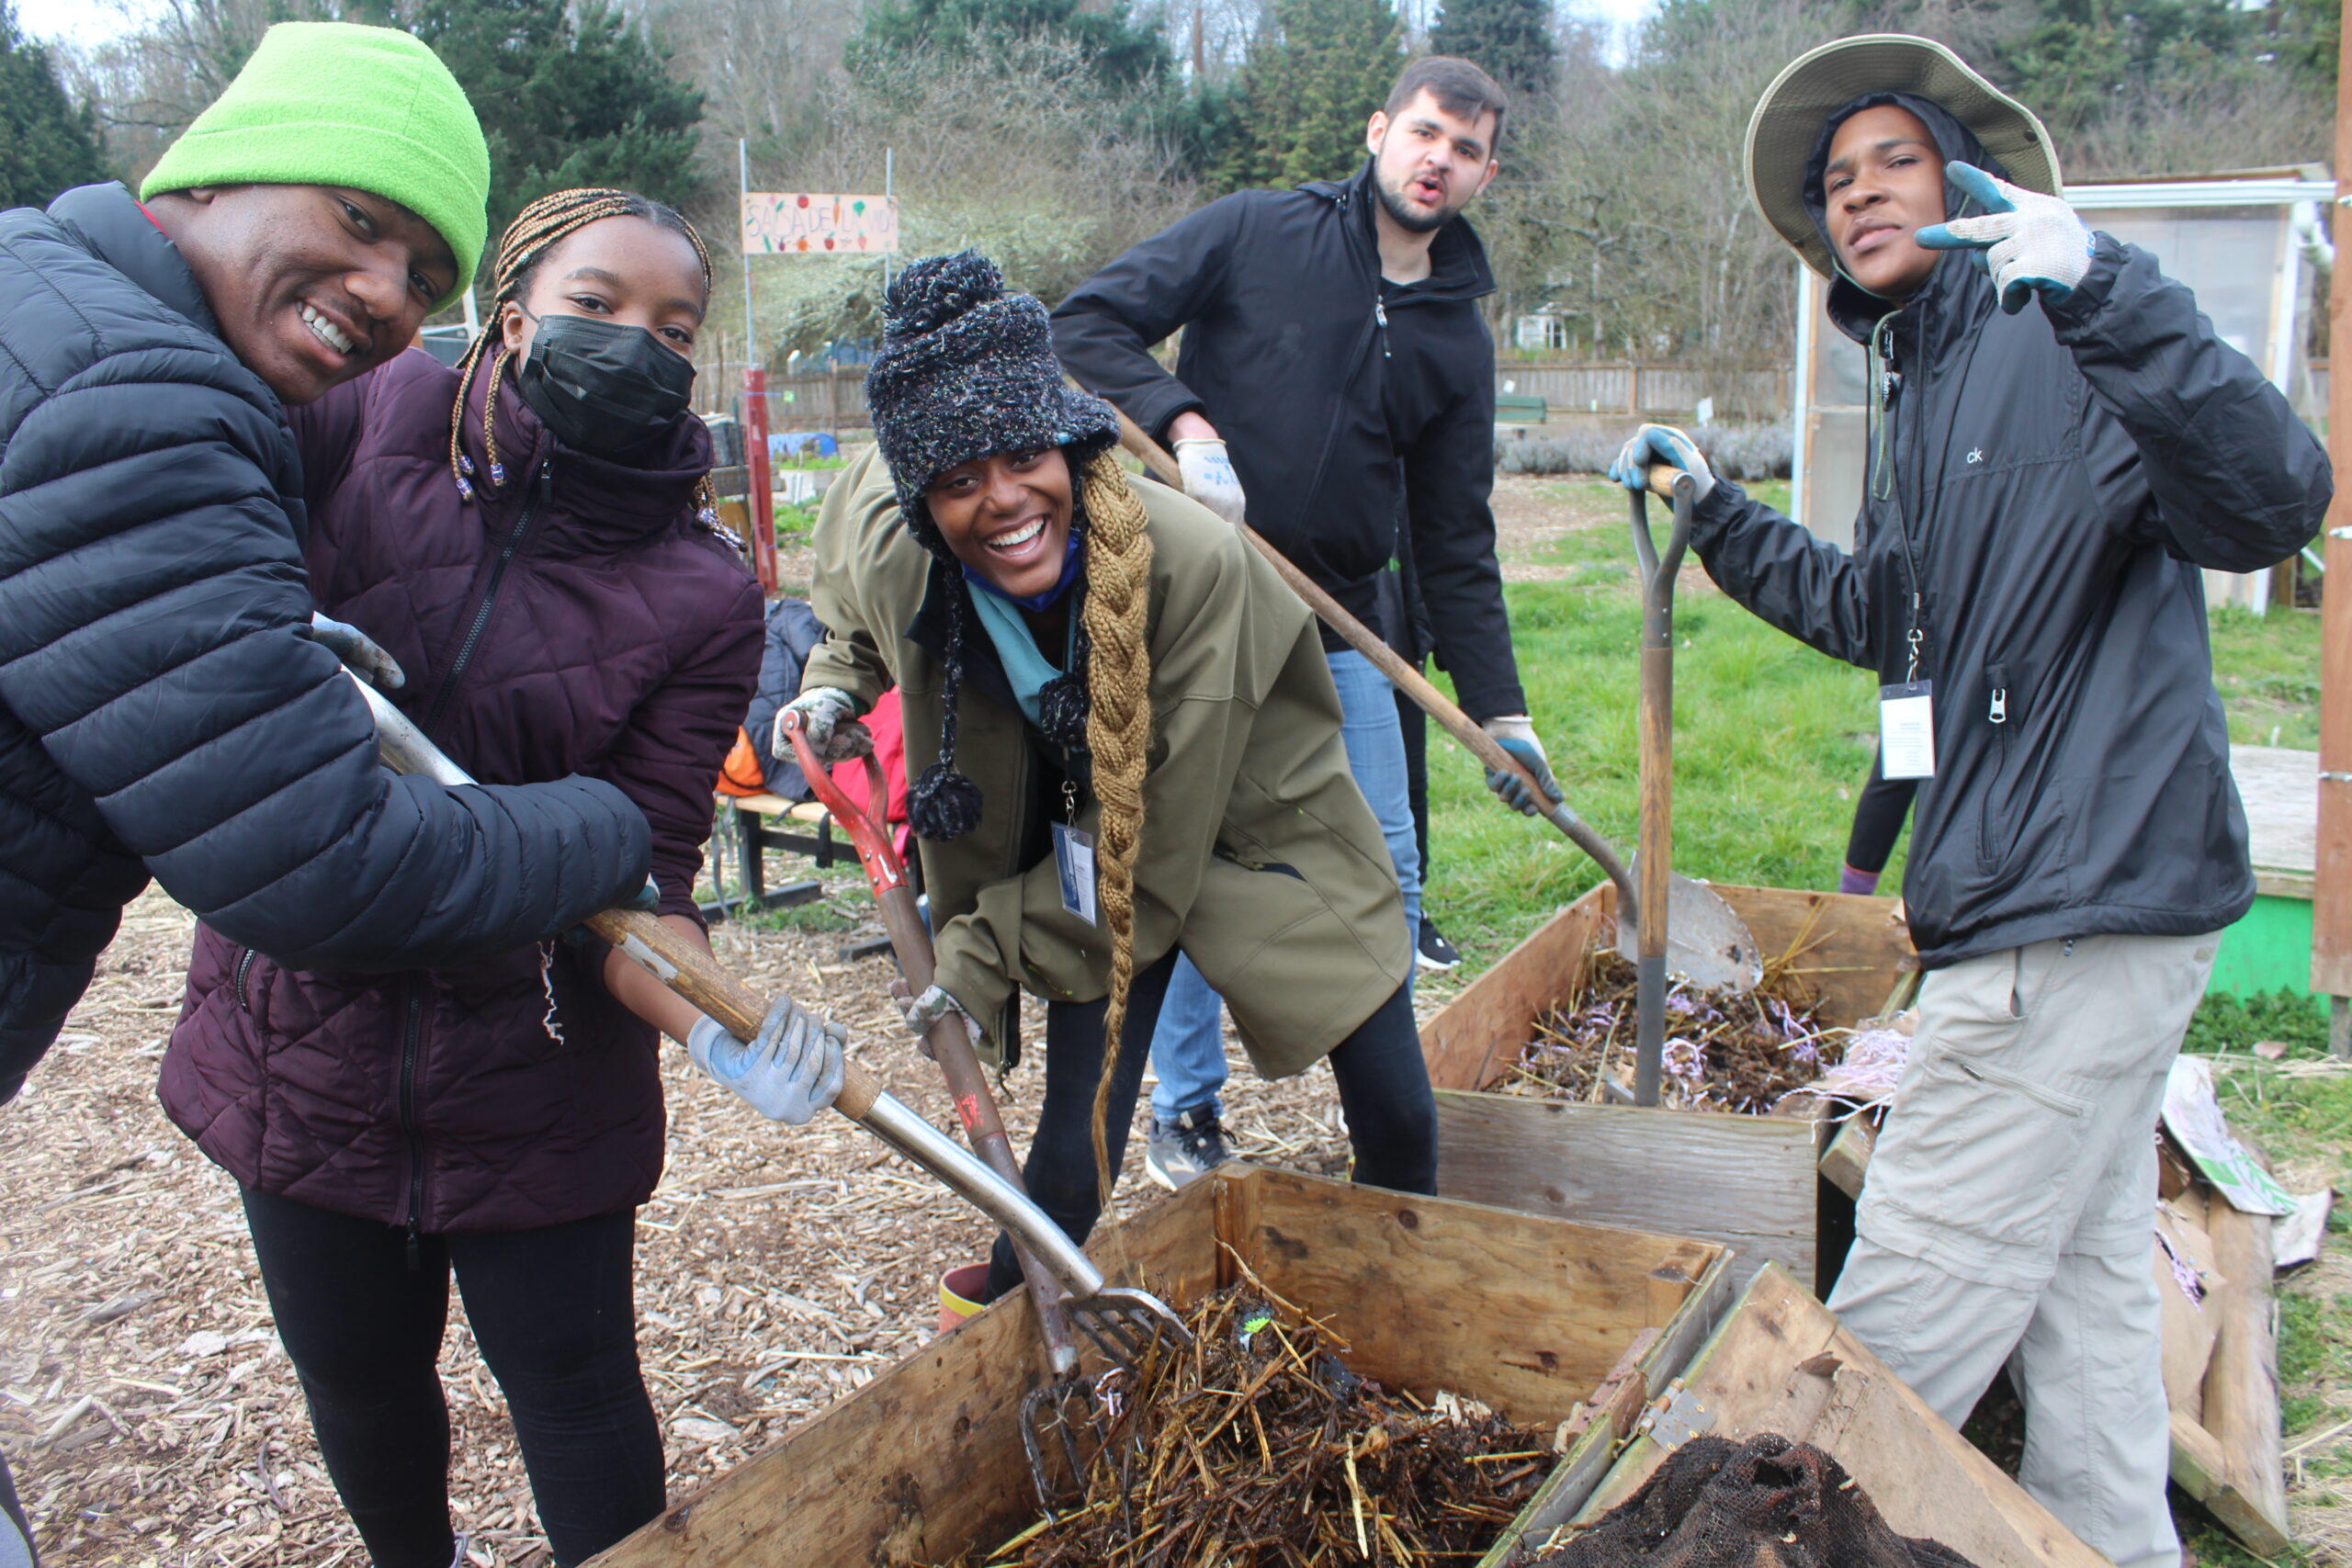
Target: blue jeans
{"x": 1188, "y": 1046}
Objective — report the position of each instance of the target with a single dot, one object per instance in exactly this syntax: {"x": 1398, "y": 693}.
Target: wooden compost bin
{"x": 1749, "y": 1182}
{"x": 1530, "y": 1315}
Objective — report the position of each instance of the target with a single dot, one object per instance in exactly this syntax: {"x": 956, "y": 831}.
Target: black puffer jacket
{"x": 161, "y": 707}
{"x": 2062, "y": 474}
{"x": 1346, "y": 404}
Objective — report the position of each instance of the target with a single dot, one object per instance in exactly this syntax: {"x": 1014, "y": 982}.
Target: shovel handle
{"x": 1656, "y": 725}
{"x": 1403, "y": 676}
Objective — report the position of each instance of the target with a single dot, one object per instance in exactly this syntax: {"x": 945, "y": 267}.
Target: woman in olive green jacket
{"x": 1101, "y": 674}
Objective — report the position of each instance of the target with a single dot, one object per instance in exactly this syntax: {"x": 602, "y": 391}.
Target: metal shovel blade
{"x": 1706, "y": 941}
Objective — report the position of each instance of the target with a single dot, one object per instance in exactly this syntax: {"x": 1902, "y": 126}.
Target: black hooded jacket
{"x": 1347, "y": 404}
{"x": 162, "y": 710}
{"x": 2061, "y": 475}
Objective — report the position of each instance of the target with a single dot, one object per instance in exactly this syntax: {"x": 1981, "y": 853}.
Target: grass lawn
{"x": 1771, "y": 743}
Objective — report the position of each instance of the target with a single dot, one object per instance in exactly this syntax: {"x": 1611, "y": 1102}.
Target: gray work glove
{"x": 1655, "y": 443}
{"x": 1209, "y": 478}
{"x": 788, "y": 1074}
{"x": 358, "y": 650}
{"x": 921, "y": 1011}
{"x": 829, "y": 718}
{"x": 1515, "y": 733}
{"x": 2029, "y": 242}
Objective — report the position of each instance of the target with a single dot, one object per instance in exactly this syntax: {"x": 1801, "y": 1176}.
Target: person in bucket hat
{"x": 2058, "y": 441}
{"x": 164, "y": 709}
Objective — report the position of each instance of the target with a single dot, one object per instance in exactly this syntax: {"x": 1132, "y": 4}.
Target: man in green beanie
{"x": 165, "y": 709}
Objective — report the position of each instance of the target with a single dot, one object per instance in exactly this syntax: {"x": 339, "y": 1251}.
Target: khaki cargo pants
{"x": 2007, "y": 1212}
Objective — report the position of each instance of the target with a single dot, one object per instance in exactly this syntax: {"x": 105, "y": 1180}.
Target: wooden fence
{"x": 1756, "y": 392}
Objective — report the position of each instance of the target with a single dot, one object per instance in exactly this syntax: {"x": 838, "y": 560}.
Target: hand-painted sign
{"x": 793, "y": 223}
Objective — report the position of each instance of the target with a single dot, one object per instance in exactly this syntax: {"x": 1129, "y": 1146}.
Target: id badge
{"x": 1906, "y": 730}
{"x": 1074, "y": 859}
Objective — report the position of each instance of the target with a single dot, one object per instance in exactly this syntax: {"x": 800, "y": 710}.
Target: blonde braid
{"x": 1118, "y": 735}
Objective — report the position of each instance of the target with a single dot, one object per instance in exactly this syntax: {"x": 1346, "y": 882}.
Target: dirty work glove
{"x": 1656, "y": 443}
{"x": 2028, "y": 241}
{"x": 358, "y": 650}
{"x": 829, "y": 717}
{"x": 921, "y": 1012}
{"x": 788, "y": 1074}
{"x": 1515, "y": 733}
{"x": 1209, "y": 478}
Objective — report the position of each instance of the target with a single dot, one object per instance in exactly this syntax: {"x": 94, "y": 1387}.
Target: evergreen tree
{"x": 1316, "y": 72}
{"x": 1122, "y": 54}
{"x": 1508, "y": 40}
{"x": 567, "y": 97}
{"x": 46, "y": 144}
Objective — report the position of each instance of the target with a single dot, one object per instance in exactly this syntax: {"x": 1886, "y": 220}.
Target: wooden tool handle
{"x": 642, "y": 937}
{"x": 1358, "y": 636}
{"x": 1663, "y": 479}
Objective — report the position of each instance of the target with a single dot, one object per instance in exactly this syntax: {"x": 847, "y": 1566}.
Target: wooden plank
{"x": 1743, "y": 1183}
{"x": 1781, "y": 1363}
{"x": 2331, "y": 856}
{"x": 1521, "y": 1312}
{"x": 1849, "y": 1154}
{"x": 2248, "y": 1494}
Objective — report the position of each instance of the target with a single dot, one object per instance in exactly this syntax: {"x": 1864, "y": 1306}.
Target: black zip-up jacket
{"x": 2061, "y": 475}
{"x": 1346, "y": 406}
{"x": 162, "y": 710}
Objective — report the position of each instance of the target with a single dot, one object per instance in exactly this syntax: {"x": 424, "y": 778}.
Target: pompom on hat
{"x": 1785, "y": 129}
{"x": 337, "y": 104}
{"x": 967, "y": 370}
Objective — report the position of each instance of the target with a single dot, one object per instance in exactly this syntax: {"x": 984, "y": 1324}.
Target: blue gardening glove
{"x": 357, "y": 650}
{"x": 1515, "y": 733}
{"x": 829, "y": 718}
{"x": 788, "y": 1074}
{"x": 2028, "y": 241}
{"x": 1656, "y": 443}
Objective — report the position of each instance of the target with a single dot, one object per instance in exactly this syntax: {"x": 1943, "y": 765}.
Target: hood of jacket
{"x": 119, "y": 231}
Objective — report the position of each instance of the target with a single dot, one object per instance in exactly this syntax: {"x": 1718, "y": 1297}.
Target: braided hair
{"x": 537, "y": 231}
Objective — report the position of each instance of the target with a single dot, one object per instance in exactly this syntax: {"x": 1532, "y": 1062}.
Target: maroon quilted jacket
{"x": 574, "y": 619}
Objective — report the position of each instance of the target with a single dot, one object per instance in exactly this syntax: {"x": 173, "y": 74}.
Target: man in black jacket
{"x": 1336, "y": 369}
{"x": 2060, "y": 441}
{"x": 163, "y": 708}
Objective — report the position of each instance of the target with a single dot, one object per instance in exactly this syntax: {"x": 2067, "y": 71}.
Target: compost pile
{"x": 1725, "y": 1050}
{"x": 1255, "y": 1446}
{"x": 1766, "y": 1503}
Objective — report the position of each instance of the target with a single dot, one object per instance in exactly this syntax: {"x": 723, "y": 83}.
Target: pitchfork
{"x": 950, "y": 1044}
{"x": 1120, "y": 1321}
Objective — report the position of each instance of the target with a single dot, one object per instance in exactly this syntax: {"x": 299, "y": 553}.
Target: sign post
{"x": 2332, "y": 884}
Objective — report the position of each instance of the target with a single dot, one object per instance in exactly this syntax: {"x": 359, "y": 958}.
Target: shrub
{"x": 1743, "y": 452}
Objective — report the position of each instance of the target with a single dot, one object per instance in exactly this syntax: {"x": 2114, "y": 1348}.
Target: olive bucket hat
{"x": 1786, "y": 126}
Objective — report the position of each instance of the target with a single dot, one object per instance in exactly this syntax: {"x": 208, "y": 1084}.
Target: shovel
{"x": 1703, "y": 938}
{"x": 1120, "y": 1321}
{"x": 951, "y": 1046}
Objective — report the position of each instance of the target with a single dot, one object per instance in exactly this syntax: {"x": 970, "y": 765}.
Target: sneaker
{"x": 1191, "y": 1145}
{"x": 1436, "y": 953}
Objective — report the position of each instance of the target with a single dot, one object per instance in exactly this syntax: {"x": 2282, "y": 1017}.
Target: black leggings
{"x": 553, "y": 1313}
{"x": 1384, "y": 1088}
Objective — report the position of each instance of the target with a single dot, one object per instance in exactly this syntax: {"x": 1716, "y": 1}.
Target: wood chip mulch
{"x": 150, "y": 1417}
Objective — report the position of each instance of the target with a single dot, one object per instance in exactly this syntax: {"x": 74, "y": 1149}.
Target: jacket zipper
{"x": 1993, "y": 1077}
{"x": 490, "y": 597}
{"x": 1380, "y": 318}
{"x": 1989, "y": 849}
{"x": 410, "y": 1033}
{"x": 244, "y": 967}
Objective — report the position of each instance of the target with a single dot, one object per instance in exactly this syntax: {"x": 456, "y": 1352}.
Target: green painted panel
{"x": 2270, "y": 950}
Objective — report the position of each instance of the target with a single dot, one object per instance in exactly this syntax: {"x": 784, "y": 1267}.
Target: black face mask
{"x": 604, "y": 388}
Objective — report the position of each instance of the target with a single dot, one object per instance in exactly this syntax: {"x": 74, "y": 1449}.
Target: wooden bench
{"x": 765, "y": 822}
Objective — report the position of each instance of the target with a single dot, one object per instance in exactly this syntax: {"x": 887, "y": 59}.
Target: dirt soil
{"x": 151, "y": 1417}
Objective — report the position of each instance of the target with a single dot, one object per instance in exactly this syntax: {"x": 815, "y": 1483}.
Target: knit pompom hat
{"x": 967, "y": 370}
{"x": 336, "y": 104}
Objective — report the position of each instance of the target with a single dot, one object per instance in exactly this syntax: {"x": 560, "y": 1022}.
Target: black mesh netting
{"x": 1766, "y": 1503}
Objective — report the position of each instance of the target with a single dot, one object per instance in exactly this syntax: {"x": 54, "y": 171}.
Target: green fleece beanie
{"x": 335, "y": 104}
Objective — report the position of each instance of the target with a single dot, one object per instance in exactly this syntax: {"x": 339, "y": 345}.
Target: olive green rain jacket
{"x": 1258, "y": 858}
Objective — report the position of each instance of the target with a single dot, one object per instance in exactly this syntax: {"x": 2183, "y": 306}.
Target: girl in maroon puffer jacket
{"x": 530, "y": 539}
